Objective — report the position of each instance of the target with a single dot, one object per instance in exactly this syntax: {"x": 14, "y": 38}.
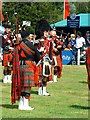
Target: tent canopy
{"x": 84, "y": 21}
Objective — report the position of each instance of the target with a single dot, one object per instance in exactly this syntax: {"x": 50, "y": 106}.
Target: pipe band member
{"x": 45, "y": 49}
{"x": 7, "y": 54}
{"x": 25, "y": 58}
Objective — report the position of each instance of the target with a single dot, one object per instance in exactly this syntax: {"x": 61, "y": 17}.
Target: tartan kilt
{"x": 7, "y": 58}
{"x": 59, "y": 65}
{"x": 59, "y": 61}
{"x": 26, "y": 76}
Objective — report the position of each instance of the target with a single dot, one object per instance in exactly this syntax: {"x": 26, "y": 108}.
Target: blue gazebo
{"x": 84, "y": 21}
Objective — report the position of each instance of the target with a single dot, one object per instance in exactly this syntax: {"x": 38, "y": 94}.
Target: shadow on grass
{"x": 80, "y": 107}
{"x": 10, "y": 106}
{"x": 83, "y": 82}
{"x": 34, "y": 92}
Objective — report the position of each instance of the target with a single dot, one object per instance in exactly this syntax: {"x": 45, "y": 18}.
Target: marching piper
{"x": 45, "y": 49}
{"x": 57, "y": 55}
{"x": 7, "y": 54}
{"x": 25, "y": 58}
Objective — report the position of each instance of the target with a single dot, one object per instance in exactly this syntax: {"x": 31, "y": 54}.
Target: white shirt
{"x": 79, "y": 42}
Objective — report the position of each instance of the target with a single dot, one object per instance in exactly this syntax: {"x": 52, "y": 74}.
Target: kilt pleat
{"x": 59, "y": 65}
{"x": 7, "y": 58}
{"x": 26, "y": 76}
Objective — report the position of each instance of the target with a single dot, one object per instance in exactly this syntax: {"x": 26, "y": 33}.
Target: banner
{"x": 66, "y": 9}
{"x": 67, "y": 57}
{"x": 1, "y": 15}
{"x": 73, "y": 21}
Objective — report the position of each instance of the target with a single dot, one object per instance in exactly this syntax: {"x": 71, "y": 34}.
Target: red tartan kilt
{"x": 36, "y": 75}
{"x": 7, "y": 58}
{"x": 26, "y": 76}
{"x": 59, "y": 61}
{"x": 59, "y": 65}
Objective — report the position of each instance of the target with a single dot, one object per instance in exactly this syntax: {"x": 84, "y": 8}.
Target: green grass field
{"x": 69, "y": 97}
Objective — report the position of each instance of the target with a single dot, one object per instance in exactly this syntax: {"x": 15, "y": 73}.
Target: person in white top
{"x": 80, "y": 41}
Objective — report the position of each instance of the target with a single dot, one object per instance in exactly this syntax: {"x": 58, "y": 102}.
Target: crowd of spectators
{"x": 79, "y": 41}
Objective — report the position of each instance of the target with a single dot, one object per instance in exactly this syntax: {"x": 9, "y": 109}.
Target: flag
{"x": 66, "y": 9}
{"x": 1, "y": 15}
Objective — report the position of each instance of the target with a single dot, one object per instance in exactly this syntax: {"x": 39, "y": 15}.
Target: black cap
{"x": 25, "y": 34}
{"x": 41, "y": 26}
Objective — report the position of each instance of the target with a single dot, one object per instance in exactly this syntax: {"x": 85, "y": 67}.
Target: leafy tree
{"x": 81, "y": 7}
{"x": 34, "y": 11}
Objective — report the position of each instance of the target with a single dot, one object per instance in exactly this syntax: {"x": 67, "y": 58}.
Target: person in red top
{"x": 57, "y": 55}
{"x": 88, "y": 65}
{"x": 25, "y": 58}
{"x": 7, "y": 54}
{"x": 45, "y": 49}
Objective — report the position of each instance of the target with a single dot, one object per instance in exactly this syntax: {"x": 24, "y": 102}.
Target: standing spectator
{"x": 80, "y": 41}
{"x": 87, "y": 38}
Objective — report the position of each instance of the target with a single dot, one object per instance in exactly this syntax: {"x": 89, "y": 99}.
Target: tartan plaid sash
{"x": 16, "y": 88}
{"x": 27, "y": 49}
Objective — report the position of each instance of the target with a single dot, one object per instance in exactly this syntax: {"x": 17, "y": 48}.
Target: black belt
{"x": 22, "y": 62}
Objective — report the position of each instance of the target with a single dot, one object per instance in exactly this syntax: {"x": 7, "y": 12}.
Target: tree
{"x": 33, "y": 12}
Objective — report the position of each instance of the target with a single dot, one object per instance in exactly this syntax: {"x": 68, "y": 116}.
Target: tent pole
{"x": 74, "y": 31}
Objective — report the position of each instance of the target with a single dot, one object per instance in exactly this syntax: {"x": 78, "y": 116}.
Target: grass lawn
{"x": 69, "y": 97}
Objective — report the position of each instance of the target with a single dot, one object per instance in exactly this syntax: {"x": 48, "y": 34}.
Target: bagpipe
{"x": 62, "y": 38}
